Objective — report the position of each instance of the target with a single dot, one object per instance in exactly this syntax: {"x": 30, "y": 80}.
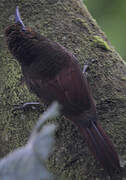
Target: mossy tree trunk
{"x": 69, "y": 23}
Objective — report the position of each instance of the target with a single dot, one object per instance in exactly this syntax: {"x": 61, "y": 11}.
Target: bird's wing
{"x": 69, "y": 88}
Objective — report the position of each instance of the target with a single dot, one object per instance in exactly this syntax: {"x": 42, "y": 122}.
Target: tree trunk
{"x": 69, "y": 23}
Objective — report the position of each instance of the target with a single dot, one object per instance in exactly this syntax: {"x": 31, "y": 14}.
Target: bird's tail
{"x": 102, "y": 148}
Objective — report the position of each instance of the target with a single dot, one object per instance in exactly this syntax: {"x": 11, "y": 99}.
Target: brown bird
{"x": 53, "y": 73}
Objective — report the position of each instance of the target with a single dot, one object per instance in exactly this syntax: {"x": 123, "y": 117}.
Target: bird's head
{"x": 16, "y": 29}
{"x": 22, "y": 41}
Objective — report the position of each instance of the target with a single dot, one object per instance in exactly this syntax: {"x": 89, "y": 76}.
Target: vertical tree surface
{"x": 69, "y": 23}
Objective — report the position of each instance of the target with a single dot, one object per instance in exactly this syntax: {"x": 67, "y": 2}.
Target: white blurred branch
{"x": 28, "y": 162}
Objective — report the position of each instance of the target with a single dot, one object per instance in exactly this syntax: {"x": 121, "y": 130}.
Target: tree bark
{"x": 69, "y": 23}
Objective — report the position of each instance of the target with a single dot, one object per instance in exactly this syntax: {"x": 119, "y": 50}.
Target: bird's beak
{"x": 18, "y": 18}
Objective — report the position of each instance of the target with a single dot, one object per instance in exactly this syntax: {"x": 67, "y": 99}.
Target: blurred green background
{"x": 111, "y": 17}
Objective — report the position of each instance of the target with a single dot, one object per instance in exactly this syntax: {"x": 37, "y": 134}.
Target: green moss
{"x": 82, "y": 21}
{"x": 123, "y": 78}
{"x": 99, "y": 42}
{"x": 15, "y": 125}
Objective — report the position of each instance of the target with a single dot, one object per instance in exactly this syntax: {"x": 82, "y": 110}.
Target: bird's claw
{"x": 85, "y": 68}
{"x": 26, "y": 106}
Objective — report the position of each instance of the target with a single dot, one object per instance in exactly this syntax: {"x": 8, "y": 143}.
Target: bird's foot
{"x": 26, "y": 106}
{"x": 85, "y": 68}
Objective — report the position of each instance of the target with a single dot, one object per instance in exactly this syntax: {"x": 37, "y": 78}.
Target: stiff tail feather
{"x": 102, "y": 148}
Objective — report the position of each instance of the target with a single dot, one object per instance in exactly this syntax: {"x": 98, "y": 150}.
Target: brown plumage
{"x": 53, "y": 73}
